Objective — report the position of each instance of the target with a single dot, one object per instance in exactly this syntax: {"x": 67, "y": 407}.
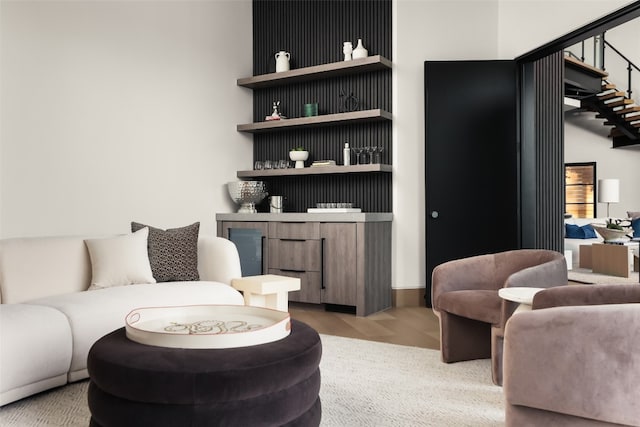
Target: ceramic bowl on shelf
{"x": 299, "y": 157}
{"x": 247, "y": 194}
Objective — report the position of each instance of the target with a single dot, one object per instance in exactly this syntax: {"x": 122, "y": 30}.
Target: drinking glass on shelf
{"x": 259, "y": 165}
{"x": 268, "y": 164}
{"x": 371, "y": 151}
{"x": 283, "y": 164}
{"x": 358, "y": 151}
{"x": 378, "y": 155}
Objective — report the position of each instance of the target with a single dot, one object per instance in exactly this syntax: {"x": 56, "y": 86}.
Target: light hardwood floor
{"x": 413, "y": 326}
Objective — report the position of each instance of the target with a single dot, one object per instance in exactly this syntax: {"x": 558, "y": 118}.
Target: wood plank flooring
{"x": 413, "y": 326}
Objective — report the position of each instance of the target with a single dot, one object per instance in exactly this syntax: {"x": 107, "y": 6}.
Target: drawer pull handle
{"x": 293, "y": 240}
{"x": 322, "y": 286}
{"x": 293, "y": 271}
{"x": 262, "y": 254}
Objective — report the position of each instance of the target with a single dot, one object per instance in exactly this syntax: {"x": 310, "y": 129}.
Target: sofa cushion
{"x": 573, "y": 231}
{"x": 173, "y": 253}
{"x": 44, "y": 266}
{"x": 95, "y": 313}
{"x": 120, "y": 260}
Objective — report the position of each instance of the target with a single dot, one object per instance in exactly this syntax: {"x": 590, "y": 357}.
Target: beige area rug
{"x": 364, "y": 383}
{"x": 585, "y": 275}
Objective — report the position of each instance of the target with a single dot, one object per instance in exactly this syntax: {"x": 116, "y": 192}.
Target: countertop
{"x": 308, "y": 217}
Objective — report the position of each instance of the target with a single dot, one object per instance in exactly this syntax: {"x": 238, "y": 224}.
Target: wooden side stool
{"x": 269, "y": 290}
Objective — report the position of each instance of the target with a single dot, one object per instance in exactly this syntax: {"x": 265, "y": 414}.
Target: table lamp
{"x": 609, "y": 191}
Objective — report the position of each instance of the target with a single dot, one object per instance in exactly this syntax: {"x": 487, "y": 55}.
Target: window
{"x": 580, "y": 189}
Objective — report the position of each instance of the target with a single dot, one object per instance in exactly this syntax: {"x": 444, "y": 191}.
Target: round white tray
{"x": 206, "y": 326}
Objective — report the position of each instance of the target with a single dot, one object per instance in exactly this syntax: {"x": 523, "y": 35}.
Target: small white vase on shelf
{"x": 360, "y": 51}
{"x": 282, "y": 61}
{"x": 347, "y": 49}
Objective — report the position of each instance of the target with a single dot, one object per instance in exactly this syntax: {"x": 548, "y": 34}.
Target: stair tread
{"x": 607, "y": 86}
{"x": 589, "y": 68}
{"x": 624, "y": 101}
{"x": 628, "y": 109}
{"x": 610, "y": 95}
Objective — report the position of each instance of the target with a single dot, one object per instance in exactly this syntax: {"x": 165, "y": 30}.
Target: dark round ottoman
{"x": 271, "y": 384}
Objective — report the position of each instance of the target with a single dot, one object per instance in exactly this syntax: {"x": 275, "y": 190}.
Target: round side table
{"x": 522, "y": 295}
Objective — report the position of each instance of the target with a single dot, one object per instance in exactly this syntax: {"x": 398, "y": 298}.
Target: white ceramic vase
{"x": 360, "y": 51}
{"x": 282, "y": 61}
{"x": 347, "y": 49}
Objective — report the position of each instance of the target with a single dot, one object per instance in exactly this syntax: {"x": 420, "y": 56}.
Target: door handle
{"x": 435, "y": 214}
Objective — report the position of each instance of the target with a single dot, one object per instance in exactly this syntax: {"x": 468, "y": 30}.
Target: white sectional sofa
{"x": 49, "y": 319}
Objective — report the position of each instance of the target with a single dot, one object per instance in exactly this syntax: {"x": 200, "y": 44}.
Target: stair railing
{"x": 630, "y": 65}
{"x": 599, "y": 44}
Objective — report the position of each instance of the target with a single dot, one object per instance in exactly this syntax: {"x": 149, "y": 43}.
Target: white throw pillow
{"x": 119, "y": 261}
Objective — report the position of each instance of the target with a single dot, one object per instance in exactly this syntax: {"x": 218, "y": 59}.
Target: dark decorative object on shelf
{"x": 348, "y": 103}
{"x": 275, "y": 115}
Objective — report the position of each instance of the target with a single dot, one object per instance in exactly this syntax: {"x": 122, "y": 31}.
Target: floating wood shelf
{"x": 315, "y": 170}
{"x": 325, "y": 71}
{"x": 317, "y": 121}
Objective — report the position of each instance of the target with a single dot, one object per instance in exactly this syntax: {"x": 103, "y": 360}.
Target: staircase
{"x": 590, "y": 85}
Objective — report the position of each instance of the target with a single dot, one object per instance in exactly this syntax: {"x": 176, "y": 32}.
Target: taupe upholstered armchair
{"x": 465, "y": 298}
{"x": 574, "y": 359}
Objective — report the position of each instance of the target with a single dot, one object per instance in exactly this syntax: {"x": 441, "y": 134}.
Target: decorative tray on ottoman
{"x": 207, "y": 326}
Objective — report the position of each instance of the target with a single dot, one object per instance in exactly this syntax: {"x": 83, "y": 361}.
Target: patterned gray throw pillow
{"x": 173, "y": 253}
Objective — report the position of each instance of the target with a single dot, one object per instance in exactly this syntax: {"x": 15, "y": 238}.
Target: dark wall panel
{"x": 543, "y": 153}
{"x": 313, "y": 33}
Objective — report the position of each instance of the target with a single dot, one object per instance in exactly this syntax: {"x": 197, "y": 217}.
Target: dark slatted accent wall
{"x": 545, "y": 140}
{"x": 313, "y": 33}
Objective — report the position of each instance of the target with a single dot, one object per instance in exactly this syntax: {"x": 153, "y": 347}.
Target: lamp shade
{"x": 609, "y": 190}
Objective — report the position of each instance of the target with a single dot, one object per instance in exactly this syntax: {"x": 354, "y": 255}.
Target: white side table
{"x": 522, "y": 295}
{"x": 270, "y": 290}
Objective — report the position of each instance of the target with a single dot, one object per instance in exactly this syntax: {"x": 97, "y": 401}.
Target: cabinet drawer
{"x": 310, "y": 284}
{"x": 294, "y": 230}
{"x": 292, "y": 254}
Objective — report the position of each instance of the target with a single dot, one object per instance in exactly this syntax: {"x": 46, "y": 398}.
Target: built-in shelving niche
{"x": 313, "y": 33}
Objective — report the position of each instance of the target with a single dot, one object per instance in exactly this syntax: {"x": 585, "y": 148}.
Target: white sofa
{"x": 573, "y": 245}
{"x": 49, "y": 320}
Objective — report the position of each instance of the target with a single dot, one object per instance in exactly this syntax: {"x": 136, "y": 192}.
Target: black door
{"x": 471, "y": 160}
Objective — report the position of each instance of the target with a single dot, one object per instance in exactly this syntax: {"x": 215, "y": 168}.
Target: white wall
{"x": 528, "y": 24}
{"x": 120, "y": 111}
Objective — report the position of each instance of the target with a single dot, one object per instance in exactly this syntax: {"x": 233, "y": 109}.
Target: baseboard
{"x": 408, "y": 297}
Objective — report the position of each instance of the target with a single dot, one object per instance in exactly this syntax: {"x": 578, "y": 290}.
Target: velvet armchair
{"x": 472, "y": 315}
{"x": 574, "y": 360}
